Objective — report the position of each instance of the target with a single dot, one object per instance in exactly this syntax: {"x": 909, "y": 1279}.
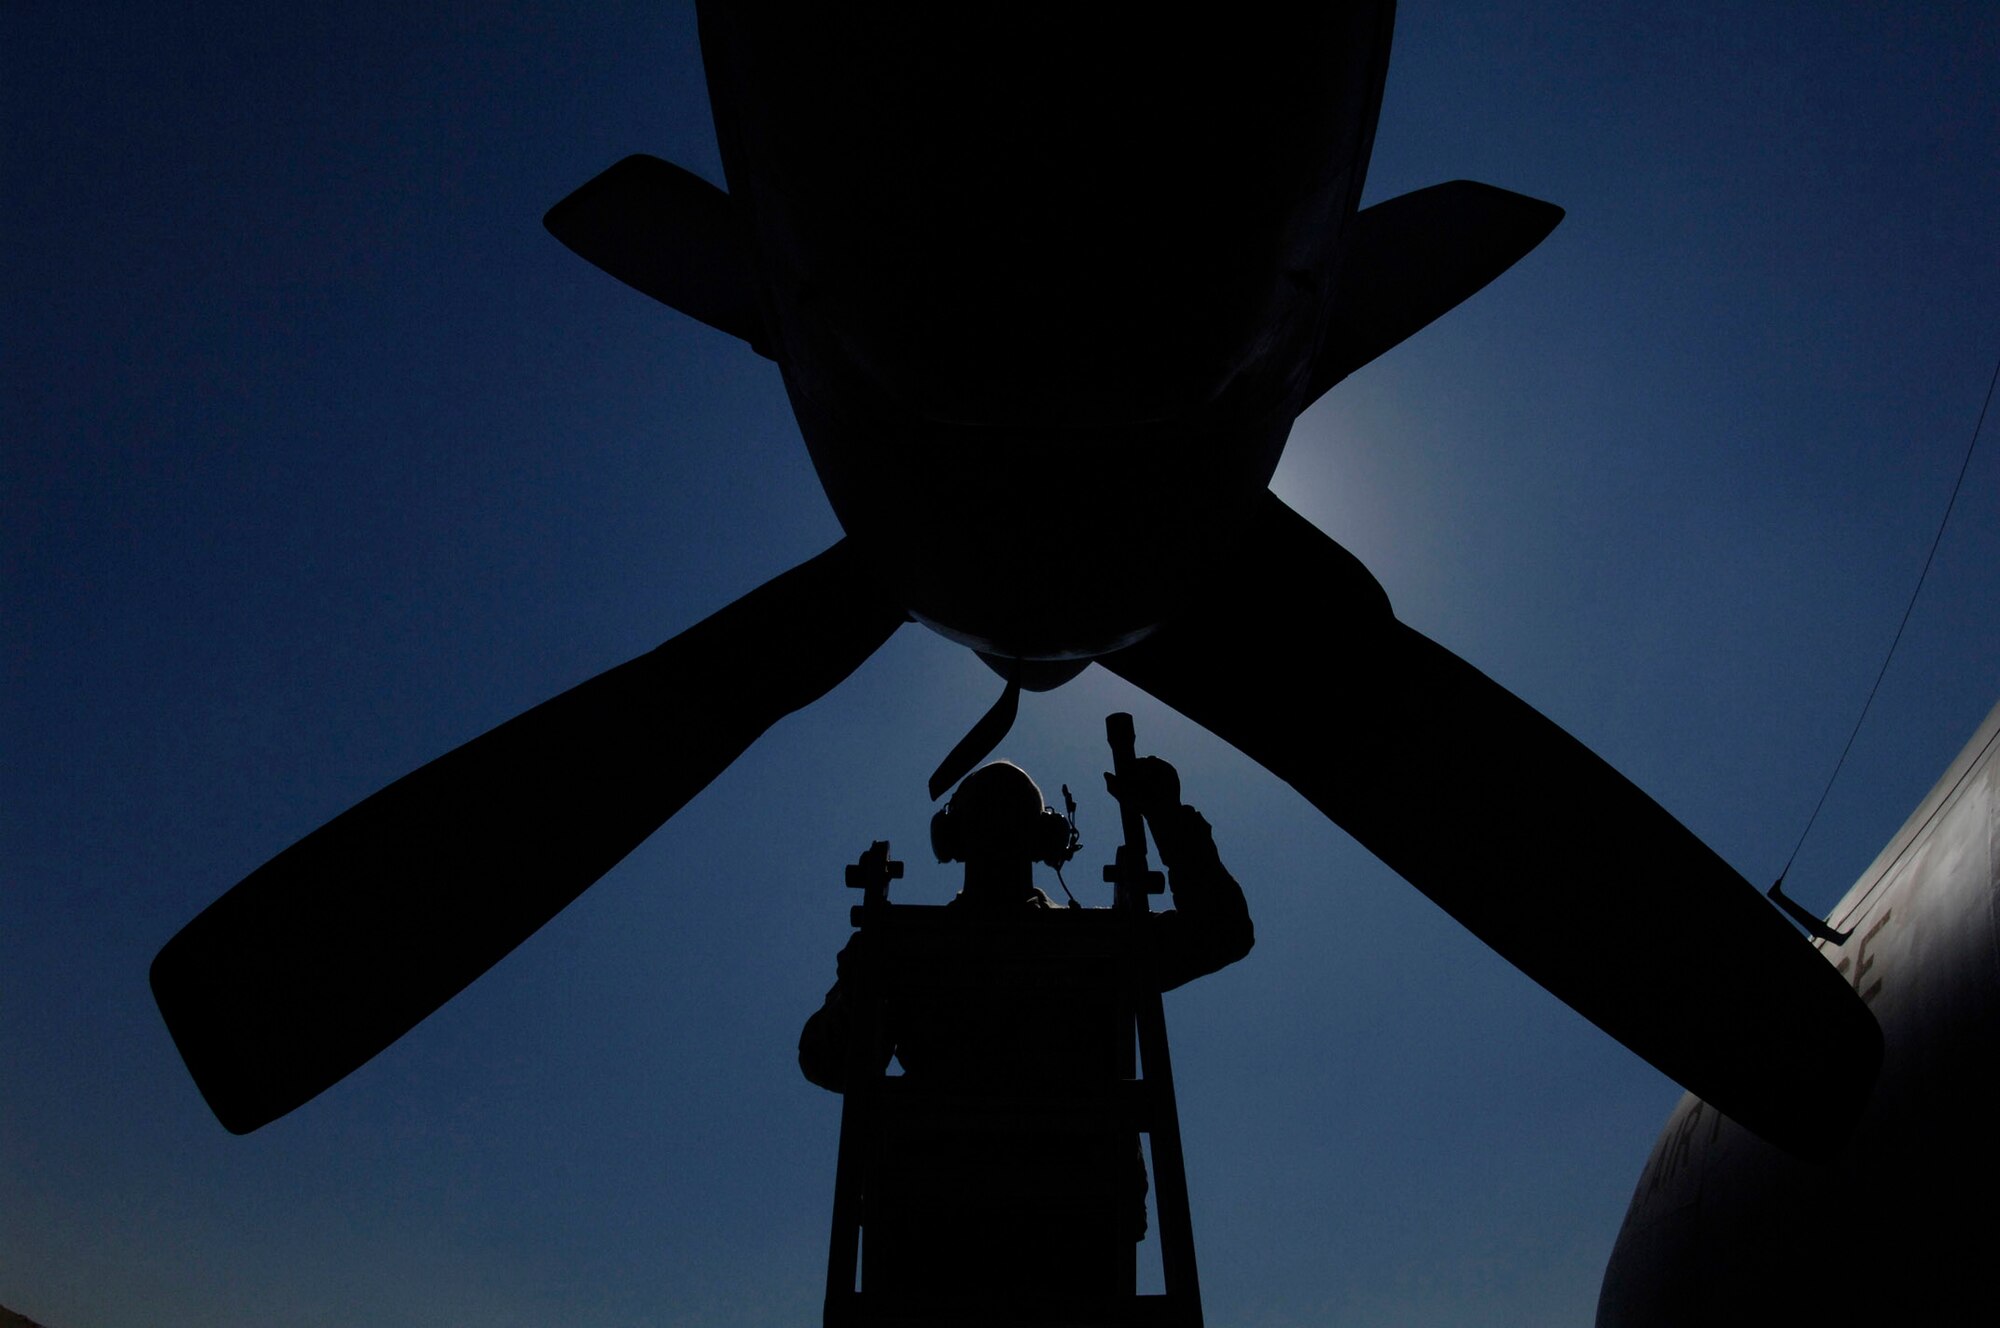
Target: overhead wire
{"x": 1929, "y": 558}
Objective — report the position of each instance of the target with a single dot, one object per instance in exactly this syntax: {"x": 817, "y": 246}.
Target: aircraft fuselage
{"x": 1899, "y": 1227}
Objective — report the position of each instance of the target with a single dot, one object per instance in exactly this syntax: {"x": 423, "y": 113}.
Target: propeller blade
{"x": 346, "y": 940}
{"x": 670, "y": 234}
{"x": 1409, "y": 260}
{"x": 1518, "y": 831}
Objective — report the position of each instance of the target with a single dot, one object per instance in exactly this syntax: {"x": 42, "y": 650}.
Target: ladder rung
{"x": 1082, "y": 1107}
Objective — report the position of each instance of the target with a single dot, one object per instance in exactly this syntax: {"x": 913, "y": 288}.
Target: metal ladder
{"x": 925, "y": 953}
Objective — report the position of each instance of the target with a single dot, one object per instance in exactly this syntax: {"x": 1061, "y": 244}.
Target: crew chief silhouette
{"x": 1025, "y": 1211}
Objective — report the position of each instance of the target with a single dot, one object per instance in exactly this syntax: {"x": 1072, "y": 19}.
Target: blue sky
{"x": 322, "y": 457}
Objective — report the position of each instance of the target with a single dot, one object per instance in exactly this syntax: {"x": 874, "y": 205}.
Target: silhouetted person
{"x": 1024, "y": 1211}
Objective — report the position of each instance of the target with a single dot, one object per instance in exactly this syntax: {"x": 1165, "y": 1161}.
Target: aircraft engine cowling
{"x": 1074, "y": 257}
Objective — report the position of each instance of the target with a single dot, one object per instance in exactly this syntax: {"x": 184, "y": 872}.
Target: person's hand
{"x": 1152, "y": 784}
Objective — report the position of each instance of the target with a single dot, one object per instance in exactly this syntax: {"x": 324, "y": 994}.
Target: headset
{"x": 1051, "y": 838}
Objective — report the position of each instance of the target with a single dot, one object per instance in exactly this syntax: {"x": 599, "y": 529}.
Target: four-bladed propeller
{"x": 342, "y": 943}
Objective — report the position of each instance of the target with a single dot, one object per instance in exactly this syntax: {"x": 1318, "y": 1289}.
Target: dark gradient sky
{"x": 320, "y": 457}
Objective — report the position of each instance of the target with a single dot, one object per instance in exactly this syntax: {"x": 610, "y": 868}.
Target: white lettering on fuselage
{"x": 1863, "y": 962}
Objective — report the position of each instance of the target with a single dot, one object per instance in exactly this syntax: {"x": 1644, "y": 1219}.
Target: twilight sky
{"x": 320, "y": 456}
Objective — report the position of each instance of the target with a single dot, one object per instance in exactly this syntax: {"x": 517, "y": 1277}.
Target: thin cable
{"x": 1936, "y": 540}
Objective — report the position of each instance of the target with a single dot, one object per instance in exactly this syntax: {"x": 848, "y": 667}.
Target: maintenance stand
{"x": 1091, "y": 963}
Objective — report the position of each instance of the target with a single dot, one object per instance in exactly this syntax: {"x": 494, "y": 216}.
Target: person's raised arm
{"x": 1209, "y": 924}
